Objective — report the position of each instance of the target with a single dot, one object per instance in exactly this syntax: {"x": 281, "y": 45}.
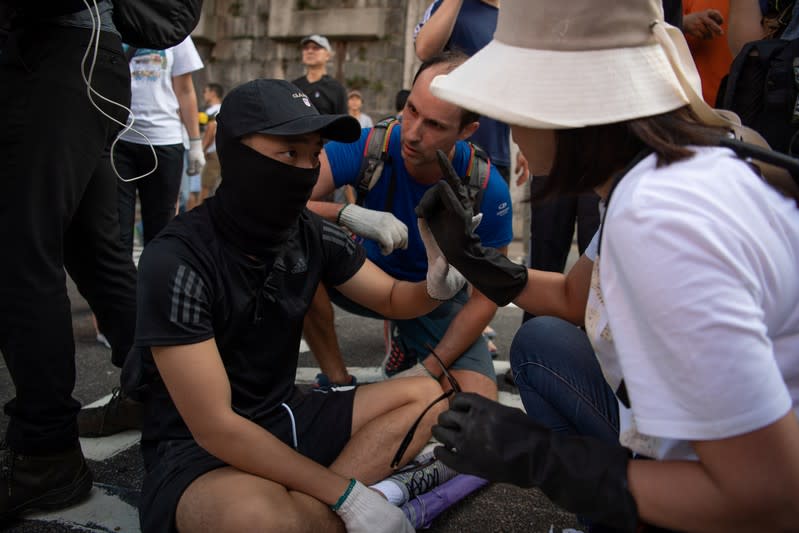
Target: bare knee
{"x": 424, "y": 390}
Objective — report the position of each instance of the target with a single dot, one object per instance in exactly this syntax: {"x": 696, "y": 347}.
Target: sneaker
{"x": 420, "y": 477}
{"x": 47, "y": 482}
{"x": 396, "y": 359}
{"x": 119, "y": 414}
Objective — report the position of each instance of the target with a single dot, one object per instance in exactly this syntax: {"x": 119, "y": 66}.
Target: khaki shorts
{"x": 212, "y": 172}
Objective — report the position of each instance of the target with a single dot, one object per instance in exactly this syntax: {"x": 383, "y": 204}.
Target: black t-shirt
{"x": 328, "y": 96}
{"x": 193, "y": 287}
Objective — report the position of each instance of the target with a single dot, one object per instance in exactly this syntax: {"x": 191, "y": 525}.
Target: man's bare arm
{"x": 744, "y": 24}
{"x": 435, "y": 33}
{"x": 465, "y": 328}
{"x": 324, "y": 186}
{"x": 187, "y": 103}
{"x": 373, "y": 288}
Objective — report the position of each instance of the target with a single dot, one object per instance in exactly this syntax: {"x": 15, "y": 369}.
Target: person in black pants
{"x": 57, "y": 211}
{"x": 164, "y": 102}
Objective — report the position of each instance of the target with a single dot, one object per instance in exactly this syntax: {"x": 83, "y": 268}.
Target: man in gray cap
{"x": 327, "y": 94}
{"x": 229, "y": 442}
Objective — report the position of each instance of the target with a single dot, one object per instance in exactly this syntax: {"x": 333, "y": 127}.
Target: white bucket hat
{"x": 558, "y": 64}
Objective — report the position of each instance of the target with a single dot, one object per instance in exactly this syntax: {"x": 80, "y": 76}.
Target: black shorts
{"x": 323, "y": 424}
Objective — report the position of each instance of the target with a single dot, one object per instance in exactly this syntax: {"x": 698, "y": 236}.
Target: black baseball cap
{"x": 278, "y": 107}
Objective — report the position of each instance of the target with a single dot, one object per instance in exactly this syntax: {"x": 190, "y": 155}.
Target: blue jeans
{"x": 560, "y": 381}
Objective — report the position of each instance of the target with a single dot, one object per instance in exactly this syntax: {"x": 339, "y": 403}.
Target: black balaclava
{"x": 260, "y": 199}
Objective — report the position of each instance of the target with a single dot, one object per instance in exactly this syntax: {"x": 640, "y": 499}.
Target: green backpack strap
{"x": 375, "y": 157}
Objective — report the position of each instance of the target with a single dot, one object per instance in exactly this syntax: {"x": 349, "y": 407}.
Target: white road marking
{"x": 304, "y": 346}
{"x": 103, "y": 448}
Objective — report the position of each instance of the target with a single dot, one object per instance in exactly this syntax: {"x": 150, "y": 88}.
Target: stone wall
{"x": 240, "y": 40}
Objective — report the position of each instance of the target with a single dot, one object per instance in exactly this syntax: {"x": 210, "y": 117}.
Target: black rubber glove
{"x": 448, "y": 212}
{"x": 580, "y": 474}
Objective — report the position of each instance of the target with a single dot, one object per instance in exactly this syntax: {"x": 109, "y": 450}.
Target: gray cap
{"x": 318, "y": 39}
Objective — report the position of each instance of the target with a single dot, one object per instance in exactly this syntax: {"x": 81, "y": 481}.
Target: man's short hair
{"x": 217, "y": 89}
{"x": 400, "y": 99}
{"x": 450, "y": 59}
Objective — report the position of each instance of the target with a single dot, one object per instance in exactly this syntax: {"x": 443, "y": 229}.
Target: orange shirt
{"x": 712, "y": 57}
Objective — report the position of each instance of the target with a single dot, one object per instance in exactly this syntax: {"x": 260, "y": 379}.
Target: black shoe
{"x": 119, "y": 414}
{"x": 46, "y": 482}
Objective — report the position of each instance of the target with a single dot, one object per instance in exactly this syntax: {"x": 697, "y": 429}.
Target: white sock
{"x": 391, "y": 491}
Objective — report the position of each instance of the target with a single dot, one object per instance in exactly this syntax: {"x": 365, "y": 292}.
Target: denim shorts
{"x": 323, "y": 427}
{"x": 429, "y": 329}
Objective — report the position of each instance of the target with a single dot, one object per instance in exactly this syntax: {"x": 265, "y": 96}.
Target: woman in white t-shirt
{"x": 691, "y": 303}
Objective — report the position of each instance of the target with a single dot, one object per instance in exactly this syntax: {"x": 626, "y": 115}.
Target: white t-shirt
{"x": 365, "y": 120}
{"x": 694, "y": 302}
{"x": 153, "y": 100}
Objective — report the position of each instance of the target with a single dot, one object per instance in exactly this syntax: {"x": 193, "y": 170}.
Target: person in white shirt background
{"x": 163, "y": 102}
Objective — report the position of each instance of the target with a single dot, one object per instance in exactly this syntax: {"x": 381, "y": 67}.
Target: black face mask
{"x": 260, "y": 199}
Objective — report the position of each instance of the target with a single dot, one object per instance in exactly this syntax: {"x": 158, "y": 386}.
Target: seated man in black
{"x": 229, "y": 443}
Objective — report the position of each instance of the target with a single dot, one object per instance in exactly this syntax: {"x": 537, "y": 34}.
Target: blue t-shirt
{"x": 474, "y": 28}
{"x": 495, "y": 230}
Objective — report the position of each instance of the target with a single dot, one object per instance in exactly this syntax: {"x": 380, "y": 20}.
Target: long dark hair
{"x": 587, "y": 157}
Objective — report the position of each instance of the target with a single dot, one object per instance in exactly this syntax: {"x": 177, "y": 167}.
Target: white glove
{"x": 443, "y": 280}
{"x": 366, "y": 511}
{"x": 416, "y": 371}
{"x": 390, "y": 232}
{"x": 196, "y": 157}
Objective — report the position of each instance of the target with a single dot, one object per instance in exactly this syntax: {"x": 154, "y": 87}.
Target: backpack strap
{"x": 478, "y": 172}
{"x": 779, "y": 170}
{"x": 375, "y": 156}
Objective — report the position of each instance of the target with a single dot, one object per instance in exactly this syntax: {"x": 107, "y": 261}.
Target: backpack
{"x": 761, "y": 88}
{"x": 375, "y": 157}
{"x": 156, "y": 24}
